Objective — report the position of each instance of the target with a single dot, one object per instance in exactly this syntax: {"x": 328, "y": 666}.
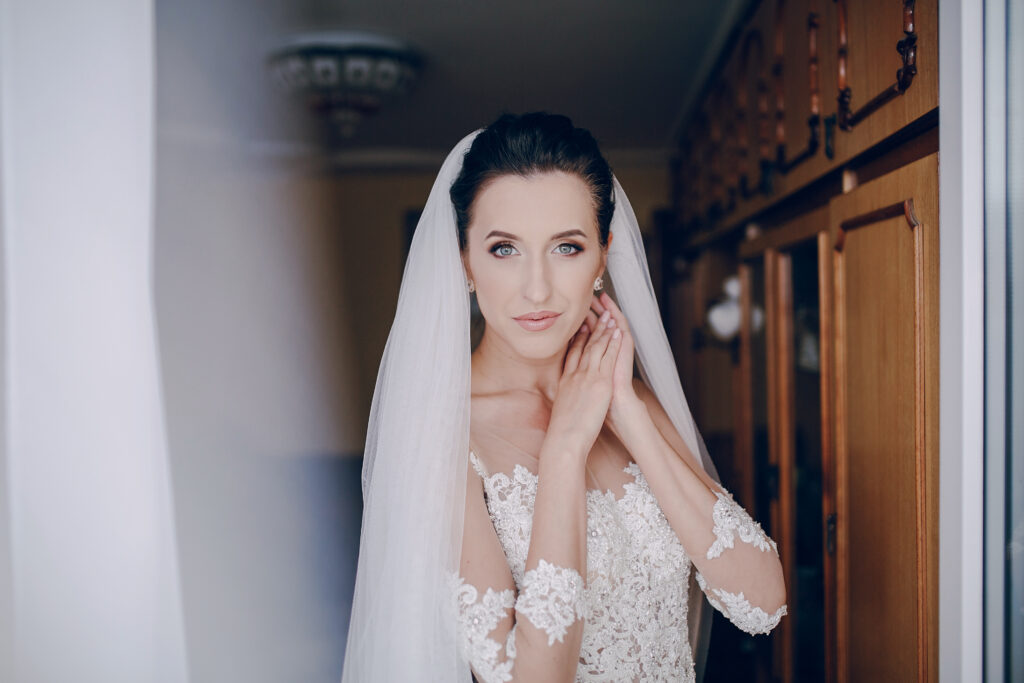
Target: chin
{"x": 537, "y": 345}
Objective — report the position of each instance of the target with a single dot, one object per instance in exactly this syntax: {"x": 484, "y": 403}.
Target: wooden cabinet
{"x": 811, "y": 171}
{"x": 806, "y": 87}
{"x": 885, "y": 251}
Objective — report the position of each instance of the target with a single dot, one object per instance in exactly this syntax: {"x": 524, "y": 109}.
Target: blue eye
{"x": 503, "y": 249}
{"x": 574, "y": 249}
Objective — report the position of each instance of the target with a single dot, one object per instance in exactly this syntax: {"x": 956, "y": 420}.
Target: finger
{"x": 597, "y": 305}
{"x": 572, "y": 356}
{"x": 599, "y": 343}
{"x": 594, "y": 347}
{"x": 616, "y": 312}
{"x": 612, "y": 351}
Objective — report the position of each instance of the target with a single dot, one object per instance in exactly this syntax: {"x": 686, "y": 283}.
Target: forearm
{"x": 549, "y": 627}
{"x": 726, "y": 549}
{"x": 684, "y": 495}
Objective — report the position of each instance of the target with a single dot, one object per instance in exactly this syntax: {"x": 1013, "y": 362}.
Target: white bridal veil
{"x": 403, "y": 625}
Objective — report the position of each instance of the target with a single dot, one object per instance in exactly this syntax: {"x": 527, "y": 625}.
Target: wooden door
{"x": 885, "y": 262}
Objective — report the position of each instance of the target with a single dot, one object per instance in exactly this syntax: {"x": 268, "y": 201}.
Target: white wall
{"x": 261, "y": 376}
{"x": 92, "y": 556}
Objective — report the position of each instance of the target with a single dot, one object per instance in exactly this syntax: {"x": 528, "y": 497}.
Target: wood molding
{"x": 786, "y": 444}
{"x": 842, "y": 558}
{"x": 828, "y": 468}
{"x": 745, "y": 398}
{"x": 904, "y": 208}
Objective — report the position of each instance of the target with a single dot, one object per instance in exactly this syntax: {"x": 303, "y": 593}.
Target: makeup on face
{"x": 533, "y": 254}
{"x": 537, "y": 321}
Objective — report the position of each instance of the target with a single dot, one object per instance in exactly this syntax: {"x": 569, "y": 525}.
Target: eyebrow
{"x": 558, "y": 236}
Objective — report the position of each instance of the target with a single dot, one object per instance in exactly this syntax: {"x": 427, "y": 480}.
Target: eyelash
{"x": 494, "y": 249}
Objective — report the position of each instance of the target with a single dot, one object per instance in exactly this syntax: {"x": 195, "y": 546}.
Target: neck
{"x": 497, "y": 368}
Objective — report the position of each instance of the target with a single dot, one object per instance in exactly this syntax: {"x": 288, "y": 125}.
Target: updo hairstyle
{"x": 528, "y": 144}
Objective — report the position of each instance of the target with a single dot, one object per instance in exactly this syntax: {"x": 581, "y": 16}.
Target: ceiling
{"x": 627, "y": 70}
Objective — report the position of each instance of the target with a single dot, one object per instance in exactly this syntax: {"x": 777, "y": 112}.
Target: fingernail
{"x": 611, "y": 323}
{"x": 616, "y": 334}
{"x": 584, "y": 328}
{"x": 604, "y": 316}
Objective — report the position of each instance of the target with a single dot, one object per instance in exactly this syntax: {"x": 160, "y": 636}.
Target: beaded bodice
{"x": 637, "y": 577}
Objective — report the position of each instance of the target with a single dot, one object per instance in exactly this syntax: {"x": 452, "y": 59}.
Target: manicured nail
{"x": 616, "y": 334}
{"x": 604, "y": 316}
{"x": 584, "y": 328}
{"x": 611, "y": 323}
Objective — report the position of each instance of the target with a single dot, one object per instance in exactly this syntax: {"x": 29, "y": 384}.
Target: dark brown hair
{"x": 527, "y": 144}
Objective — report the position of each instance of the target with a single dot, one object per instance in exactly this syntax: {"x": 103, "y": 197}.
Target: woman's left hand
{"x": 624, "y": 398}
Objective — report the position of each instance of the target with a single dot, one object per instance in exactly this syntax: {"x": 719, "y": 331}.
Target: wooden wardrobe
{"x": 809, "y": 170}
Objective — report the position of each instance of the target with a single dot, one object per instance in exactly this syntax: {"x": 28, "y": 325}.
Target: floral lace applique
{"x": 730, "y": 517}
{"x": 738, "y": 609}
{"x": 552, "y": 599}
{"x": 476, "y": 619}
{"x": 637, "y": 577}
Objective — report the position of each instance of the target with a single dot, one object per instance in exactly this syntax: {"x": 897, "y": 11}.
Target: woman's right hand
{"x": 585, "y": 388}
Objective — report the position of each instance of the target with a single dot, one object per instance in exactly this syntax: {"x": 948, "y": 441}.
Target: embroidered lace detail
{"x": 738, "y": 609}
{"x": 476, "y": 619}
{"x": 637, "y": 578}
{"x": 730, "y": 517}
{"x": 477, "y": 465}
{"x": 552, "y": 598}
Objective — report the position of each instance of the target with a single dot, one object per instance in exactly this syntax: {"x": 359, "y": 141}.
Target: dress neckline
{"x": 632, "y": 469}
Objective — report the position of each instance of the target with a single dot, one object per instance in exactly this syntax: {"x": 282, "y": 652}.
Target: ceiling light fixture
{"x": 344, "y": 76}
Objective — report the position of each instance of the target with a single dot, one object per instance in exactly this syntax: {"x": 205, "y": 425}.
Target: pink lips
{"x": 537, "y": 321}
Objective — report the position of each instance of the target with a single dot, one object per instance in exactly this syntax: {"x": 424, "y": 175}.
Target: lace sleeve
{"x": 478, "y": 619}
{"x": 550, "y": 599}
{"x": 728, "y": 572}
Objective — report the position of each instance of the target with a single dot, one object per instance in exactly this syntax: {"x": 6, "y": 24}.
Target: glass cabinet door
{"x": 781, "y": 440}
{"x": 801, "y": 482}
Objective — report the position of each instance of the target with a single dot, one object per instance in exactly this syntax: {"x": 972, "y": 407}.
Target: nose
{"x": 536, "y": 281}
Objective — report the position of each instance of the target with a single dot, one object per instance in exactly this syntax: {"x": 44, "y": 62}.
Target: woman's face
{"x": 533, "y": 252}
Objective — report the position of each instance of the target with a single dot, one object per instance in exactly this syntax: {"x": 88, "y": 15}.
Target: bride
{"x": 532, "y": 510}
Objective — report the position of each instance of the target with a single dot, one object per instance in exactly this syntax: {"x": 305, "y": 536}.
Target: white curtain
{"x": 89, "y": 587}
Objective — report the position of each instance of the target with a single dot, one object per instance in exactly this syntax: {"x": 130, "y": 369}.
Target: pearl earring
{"x": 470, "y": 286}
{"x": 598, "y": 284}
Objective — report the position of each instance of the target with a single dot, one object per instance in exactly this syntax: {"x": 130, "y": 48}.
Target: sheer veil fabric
{"x": 403, "y": 622}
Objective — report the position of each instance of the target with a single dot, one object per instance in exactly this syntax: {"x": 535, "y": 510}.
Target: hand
{"x": 585, "y": 387}
{"x": 624, "y": 398}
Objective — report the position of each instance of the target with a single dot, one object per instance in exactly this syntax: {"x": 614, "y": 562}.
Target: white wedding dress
{"x": 635, "y": 597}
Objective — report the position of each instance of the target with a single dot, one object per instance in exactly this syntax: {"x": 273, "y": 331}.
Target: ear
{"x": 465, "y": 266}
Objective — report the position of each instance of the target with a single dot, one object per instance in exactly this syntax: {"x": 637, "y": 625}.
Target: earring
{"x": 470, "y": 286}
{"x": 598, "y": 284}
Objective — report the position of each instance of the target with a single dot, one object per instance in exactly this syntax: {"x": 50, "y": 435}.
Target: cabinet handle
{"x": 907, "y": 48}
{"x": 784, "y": 165}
